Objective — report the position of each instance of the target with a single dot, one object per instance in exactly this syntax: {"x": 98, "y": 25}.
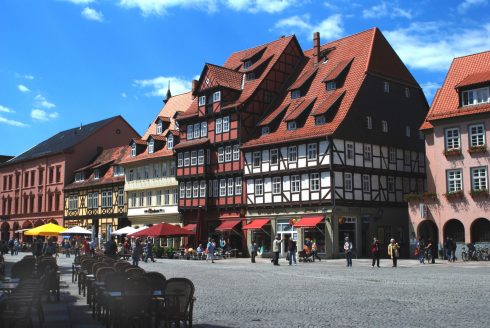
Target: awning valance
{"x": 227, "y": 225}
{"x": 191, "y": 227}
{"x": 308, "y": 222}
{"x": 256, "y": 224}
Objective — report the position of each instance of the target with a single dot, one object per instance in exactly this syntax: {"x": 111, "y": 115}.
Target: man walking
{"x": 149, "y": 250}
{"x": 253, "y": 251}
{"x": 276, "y": 248}
{"x": 292, "y": 248}
{"x": 210, "y": 250}
{"x": 348, "y": 251}
{"x": 375, "y": 250}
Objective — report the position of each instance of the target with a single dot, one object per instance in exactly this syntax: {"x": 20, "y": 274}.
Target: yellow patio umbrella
{"x": 49, "y": 229}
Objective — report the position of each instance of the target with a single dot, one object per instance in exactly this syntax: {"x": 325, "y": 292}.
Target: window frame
{"x": 202, "y": 189}
{"x": 312, "y": 152}
{"x": 222, "y": 188}
{"x": 473, "y": 180}
{"x": 190, "y": 132}
{"x": 230, "y": 187}
{"x": 454, "y": 180}
{"x": 315, "y": 183}
{"x": 202, "y": 100}
{"x": 221, "y": 155}
{"x": 256, "y": 159}
{"x": 369, "y": 122}
{"x": 454, "y": 140}
{"x": 236, "y": 152}
{"x": 193, "y": 157}
{"x": 200, "y": 157}
{"x": 226, "y": 124}
{"x": 272, "y": 156}
{"x": 291, "y": 125}
{"x": 218, "y": 126}
{"x": 276, "y": 185}
{"x": 366, "y": 183}
{"x": 259, "y": 187}
{"x": 292, "y": 159}
{"x": 228, "y": 154}
{"x": 216, "y": 96}
{"x": 478, "y": 135}
{"x": 384, "y": 126}
{"x": 238, "y": 186}
{"x": 204, "y": 129}
{"x": 367, "y": 152}
{"x": 348, "y": 178}
{"x": 170, "y": 141}
{"x": 295, "y": 94}
{"x": 295, "y": 183}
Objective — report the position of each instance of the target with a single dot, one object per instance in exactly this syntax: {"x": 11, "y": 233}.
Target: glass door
{"x": 285, "y": 230}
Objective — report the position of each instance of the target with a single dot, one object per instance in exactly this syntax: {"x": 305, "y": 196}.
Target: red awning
{"x": 308, "y": 222}
{"x": 191, "y": 227}
{"x": 227, "y": 225}
{"x": 256, "y": 224}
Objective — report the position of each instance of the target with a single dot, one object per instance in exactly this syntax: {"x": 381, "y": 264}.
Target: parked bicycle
{"x": 471, "y": 253}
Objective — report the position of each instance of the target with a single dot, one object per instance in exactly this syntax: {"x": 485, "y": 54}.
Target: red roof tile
{"x": 468, "y": 68}
{"x": 139, "y": 141}
{"x": 158, "y": 137}
{"x": 272, "y": 116}
{"x": 163, "y": 119}
{"x": 195, "y": 142}
{"x": 334, "y": 73}
{"x": 249, "y": 54}
{"x": 472, "y": 79}
{"x": 306, "y": 76}
{"x": 299, "y": 109}
{"x": 335, "y": 96}
{"x": 257, "y": 64}
{"x": 214, "y": 75}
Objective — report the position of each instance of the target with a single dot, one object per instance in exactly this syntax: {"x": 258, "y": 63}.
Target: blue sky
{"x": 69, "y": 62}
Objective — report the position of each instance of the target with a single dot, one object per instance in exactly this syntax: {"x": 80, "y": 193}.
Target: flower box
{"x": 412, "y": 197}
{"x": 479, "y": 193}
{"x": 452, "y": 152}
{"x": 455, "y": 195}
{"x": 429, "y": 196}
{"x": 477, "y": 149}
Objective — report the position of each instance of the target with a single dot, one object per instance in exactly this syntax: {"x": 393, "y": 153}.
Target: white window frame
{"x": 218, "y": 126}
{"x": 222, "y": 187}
{"x": 348, "y": 181}
{"x": 238, "y": 186}
{"x": 392, "y": 155}
{"x": 331, "y": 85}
{"x": 366, "y": 183}
{"x": 390, "y": 183}
{"x": 369, "y": 122}
{"x": 200, "y": 157}
{"x": 259, "y": 187}
{"x": 190, "y": 132}
{"x": 164, "y": 169}
{"x": 170, "y": 141}
{"x": 479, "y": 178}
{"x": 202, "y": 189}
{"x": 96, "y": 174}
{"x": 216, "y": 188}
{"x": 315, "y": 181}
{"x": 120, "y": 197}
{"x": 265, "y": 130}
{"x": 276, "y": 185}
{"x": 295, "y": 94}
{"x": 406, "y": 157}
{"x": 158, "y": 197}
{"x": 187, "y": 158}
{"x": 202, "y": 100}
{"x": 133, "y": 150}
{"x": 274, "y": 156}
{"x": 236, "y": 153}
{"x": 291, "y": 125}
{"x": 226, "y": 124}
{"x": 151, "y": 146}
{"x": 295, "y": 183}
{"x": 228, "y": 154}
{"x": 368, "y": 153}
{"x": 221, "y": 155}
{"x": 230, "y": 186}
{"x": 204, "y": 129}
{"x": 256, "y": 158}
{"x": 197, "y": 130}
{"x": 118, "y": 171}
{"x": 188, "y": 190}
{"x": 180, "y": 159}
{"x": 217, "y": 96}
{"x": 320, "y": 119}
{"x": 166, "y": 197}
{"x": 452, "y": 138}
{"x": 194, "y": 158}
{"x": 477, "y": 135}
{"x": 195, "y": 189}
{"x": 292, "y": 154}
{"x": 454, "y": 180}
{"x": 475, "y": 96}
{"x": 159, "y": 127}
{"x": 384, "y": 126}
{"x": 349, "y": 150}
{"x": 312, "y": 152}
{"x": 182, "y": 190}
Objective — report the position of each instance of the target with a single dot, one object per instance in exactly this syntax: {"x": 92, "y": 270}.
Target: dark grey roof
{"x": 4, "y": 158}
{"x": 60, "y": 141}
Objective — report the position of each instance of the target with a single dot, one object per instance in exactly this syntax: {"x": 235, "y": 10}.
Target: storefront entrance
{"x": 285, "y": 230}
{"x": 347, "y": 228}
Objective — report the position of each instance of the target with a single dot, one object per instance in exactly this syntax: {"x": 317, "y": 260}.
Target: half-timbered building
{"x": 457, "y": 130}
{"x": 150, "y": 167}
{"x": 336, "y": 154}
{"x": 95, "y": 199}
{"x": 229, "y": 102}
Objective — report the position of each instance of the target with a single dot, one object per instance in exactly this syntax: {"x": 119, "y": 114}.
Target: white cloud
{"x": 41, "y": 115}
{"x": 432, "y": 45}
{"x": 43, "y": 102}
{"x": 12, "y": 122}
{"x": 123, "y": 94}
{"x": 430, "y": 89}
{"x": 80, "y": 2}
{"x": 159, "y": 7}
{"x": 329, "y": 28}
{"x": 159, "y": 85}
{"x": 92, "y": 14}
{"x": 254, "y": 6}
{"x": 28, "y": 77}
{"x": 385, "y": 9}
{"x": 4, "y": 109}
{"x": 23, "y": 88}
{"x": 467, "y": 4}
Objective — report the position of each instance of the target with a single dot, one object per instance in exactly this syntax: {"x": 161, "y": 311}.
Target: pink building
{"x": 31, "y": 184}
{"x": 456, "y": 129}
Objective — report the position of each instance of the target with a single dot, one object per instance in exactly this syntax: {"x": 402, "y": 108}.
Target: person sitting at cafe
{"x": 199, "y": 250}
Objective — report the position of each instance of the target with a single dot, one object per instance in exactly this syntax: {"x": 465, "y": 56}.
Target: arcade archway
{"x": 480, "y": 231}
{"x": 454, "y": 229}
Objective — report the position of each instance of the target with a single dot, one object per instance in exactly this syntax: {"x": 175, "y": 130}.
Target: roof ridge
{"x": 470, "y": 55}
{"x": 344, "y": 38}
{"x": 262, "y": 45}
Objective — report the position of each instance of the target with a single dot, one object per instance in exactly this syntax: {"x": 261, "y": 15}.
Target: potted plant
{"x": 452, "y": 152}
{"x": 429, "y": 196}
{"x": 412, "y": 197}
{"x": 454, "y": 195}
{"x": 477, "y": 149}
{"x": 479, "y": 193}
{"x": 158, "y": 251}
{"x": 169, "y": 251}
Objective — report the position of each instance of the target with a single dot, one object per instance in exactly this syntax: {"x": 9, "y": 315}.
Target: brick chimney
{"x": 316, "y": 46}
{"x": 194, "y": 86}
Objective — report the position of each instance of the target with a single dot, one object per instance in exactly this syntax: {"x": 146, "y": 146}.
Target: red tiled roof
{"x": 335, "y": 96}
{"x": 367, "y": 52}
{"x": 257, "y": 64}
{"x": 274, "y": 48}
{"x": 463, "y": 69}
{"x": 158, "y": 137}
{"x": 110, "y": 156}
{"x": 163, "y": 119}
{"x": 195, "y": 142}
{"x": 299, "y": 109}
{"x": 139, "y": 141}
{"x": 272, "y": 116}
{"x": 334, "y": 73}
{"x": 472, "y": 79}
{"x": 249, "y": 54}
{"x": 220, "y": 76}
{"x": 306, "y": 76}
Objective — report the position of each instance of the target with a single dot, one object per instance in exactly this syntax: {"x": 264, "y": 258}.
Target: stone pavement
{"x": 236, "y": 293}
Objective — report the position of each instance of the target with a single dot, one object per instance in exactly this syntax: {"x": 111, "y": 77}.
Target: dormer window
{"x": 319, "y": 120}
{"x": 176, "y": 125}
{"x": 407, "y": 92}
{"x": 202, "y": 100}
{"x": 247, "y": 64}
{"x": 292, "y": 125}
{"x": 118, "y": 170}
{"x": 475, "y": 96}
{"x": 265, "y": 130}
{"x": 386, "y": 86}
{"x": 170, "y": 141}
{"x": 217, "y": 96}
{"x": 151, "y": 146}
{"x": 79, "y": 177}
{"x": 331, "y": 85}
{"x": 295, "y": 94}
{"x": 159, "y": 127}
{"x": 250, "y": 76}
{"x": 96, "y": 174}
{"x": 133, "y": 150}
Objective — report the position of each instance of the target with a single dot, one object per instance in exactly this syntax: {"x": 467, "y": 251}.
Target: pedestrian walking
{"x": 314, "y": 251}
{"x": 276, "y": 248}
{"x": 348, "y": 251}
{"x": 210, "y": 247}
{"x": 16, "y": 246}
{"x": 420, "y": 250}
{"x": 111, "y": 248}
{"x": 137, "y": 250}
{"x": 92, "y": 246}
{"x": 428, "y": 250}
{"x": 149, "y": 250}
{"x": 66, "y": 248}
{"x": 453, "y": 251}
{"x": 11, "y": 247}
{"x": 394, "y": 251}
{"x": 448, "y": 248}
{"x": 292, "y": 249}
{"x": 375, "y": 251}
{"x": 253, "y": 251}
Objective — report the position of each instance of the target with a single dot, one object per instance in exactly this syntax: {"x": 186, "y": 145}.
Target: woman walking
{"x": 375, "y": 250}
{"x": 394, "y": 251}
{"x": 137, "y": 250}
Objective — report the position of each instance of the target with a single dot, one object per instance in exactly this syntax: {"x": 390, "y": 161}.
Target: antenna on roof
{"x": 81, "y": 125}
{"x": 169, "y": 94}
